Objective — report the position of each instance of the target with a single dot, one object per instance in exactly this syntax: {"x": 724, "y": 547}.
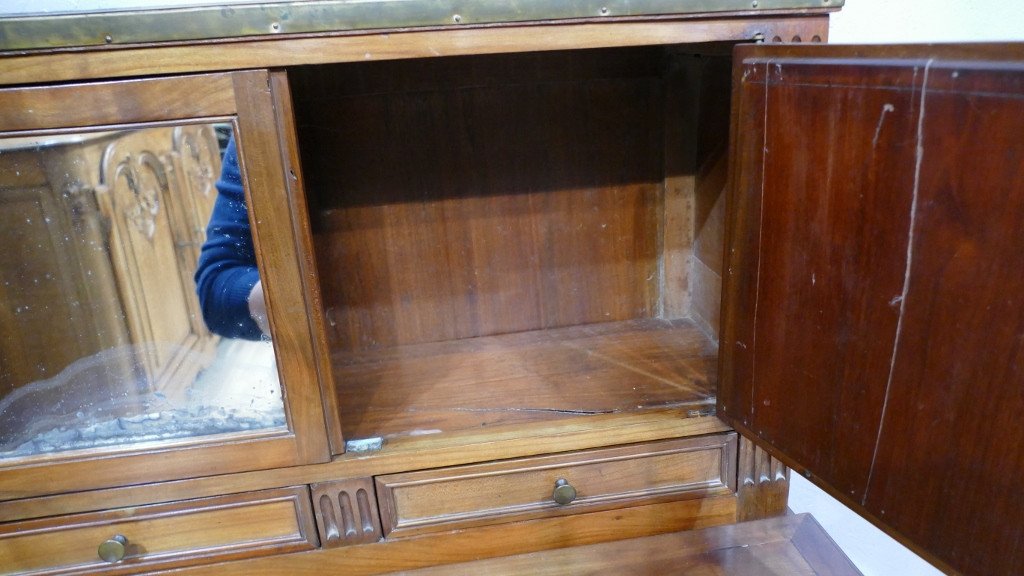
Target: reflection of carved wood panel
{"x": 154, "y": 247}
{"x": 100, "y": 236}
{"x": 57, "y": 301}
{"x": 142, "y": 249}
{"x": 195, "y": 164}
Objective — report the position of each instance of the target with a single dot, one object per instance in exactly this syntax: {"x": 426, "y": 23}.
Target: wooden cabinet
{"x": 501, "y": 255}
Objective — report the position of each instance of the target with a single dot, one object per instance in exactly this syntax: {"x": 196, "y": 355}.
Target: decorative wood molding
{"x": 763, "y": 483}
{"x": 346, "y": 512}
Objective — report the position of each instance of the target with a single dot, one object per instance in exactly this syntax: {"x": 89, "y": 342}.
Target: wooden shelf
{"x": 526, "y": 377}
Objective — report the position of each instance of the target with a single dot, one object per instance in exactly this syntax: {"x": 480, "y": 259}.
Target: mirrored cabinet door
{"x": 137, "y": 315}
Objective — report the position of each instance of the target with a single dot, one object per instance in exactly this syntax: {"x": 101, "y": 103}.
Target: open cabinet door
{"x": 873, "y": 323}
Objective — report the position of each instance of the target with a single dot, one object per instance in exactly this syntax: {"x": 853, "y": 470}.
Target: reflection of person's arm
{"x": 227, "y": 274}
{"x": 258, "y": 308}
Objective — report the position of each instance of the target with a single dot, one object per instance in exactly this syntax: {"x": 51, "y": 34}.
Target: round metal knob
{"x": 113, "y": 549}
{"x": 564, "y": 492}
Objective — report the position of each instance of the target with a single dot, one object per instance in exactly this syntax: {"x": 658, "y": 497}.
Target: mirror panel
{"x": 103, "y": 341}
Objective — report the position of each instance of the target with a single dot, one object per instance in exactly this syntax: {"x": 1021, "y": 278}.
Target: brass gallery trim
{"x": 272, "y": 18}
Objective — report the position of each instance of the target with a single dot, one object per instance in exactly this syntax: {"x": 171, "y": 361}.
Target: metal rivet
{"x": 604, "y": 11}
{"x": 754, "y": 3}
{"x": 108, "y": 38}
{"x": 457, "y": 18}
{"x": 276, "y": 27}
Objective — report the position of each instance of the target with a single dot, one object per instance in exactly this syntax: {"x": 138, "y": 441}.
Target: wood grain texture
{"x": 510, "y": 441}
{"x": 392, "y": 45}
{"x": 681, "y": 118}
{"x": 285, "y": 115}
{"x": 905, "y": 411}
{"x": 475, "y": 199}
{"x": 264, "y": 138}
{"x": 788, "y": 546}
{"x": 164, "y": 536}
{"x": 456, "y": 498}
{"x": 491, "y": 541}
{"x": 949, "y": 467}
{"x": 547, "y": 375}
{"x": 830, "y": 260}
{"x": 120, "y": 102}
{"x": 709, "y": 192}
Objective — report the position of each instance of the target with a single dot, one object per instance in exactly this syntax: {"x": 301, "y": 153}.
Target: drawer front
{"x": 163, "y": 535}
{"x": 464, "y": 496}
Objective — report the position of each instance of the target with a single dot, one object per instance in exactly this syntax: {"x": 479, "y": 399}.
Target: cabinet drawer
{"x": 459, "y": 497}
{"x": 163, "y": 535}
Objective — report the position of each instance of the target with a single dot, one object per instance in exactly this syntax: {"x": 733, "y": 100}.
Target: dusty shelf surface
{"x": 525, "y": 377}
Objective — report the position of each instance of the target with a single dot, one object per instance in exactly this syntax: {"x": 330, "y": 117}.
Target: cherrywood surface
{"x": 411, "y": 453}
{"x": 462, "y": 197}
{"x": 873, "y": 336}
{"x": 491, "y": 541}
{"x": 391, "y": 45}
{"x": 715, "y": 76}
{"x": 462, "y": 497}
{"x": 119, "y": 102}
{"x": 787, "y": 546}
{"x": 830, "y": 260}
{"x": 949, "y": 466}
{"x": 538, "y": 376}
{"x": 304, "y": 253}
{"x": 164, "y": 536}
{"x": 264, "y": 138}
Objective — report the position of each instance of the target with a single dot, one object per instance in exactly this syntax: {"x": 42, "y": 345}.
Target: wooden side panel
{"x": 709, "y": 192}
{"x": 875, "y": 336}
{"x": 164, "y": 536}
{"x": 950, "y": 465}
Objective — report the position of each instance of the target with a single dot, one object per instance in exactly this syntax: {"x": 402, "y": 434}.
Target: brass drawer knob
{"x": 113, "y": 549}
{"x": 564, "y": 492}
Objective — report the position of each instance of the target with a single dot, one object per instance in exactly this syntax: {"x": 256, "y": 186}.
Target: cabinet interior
{"x": 517, "y": 238}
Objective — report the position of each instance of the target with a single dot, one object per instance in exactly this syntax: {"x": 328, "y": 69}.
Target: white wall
{"x": 889, "y": 21}
{"x": 892, "y": 21}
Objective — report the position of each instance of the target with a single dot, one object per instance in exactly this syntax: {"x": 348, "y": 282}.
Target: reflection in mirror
{"x": 103, "y": 341}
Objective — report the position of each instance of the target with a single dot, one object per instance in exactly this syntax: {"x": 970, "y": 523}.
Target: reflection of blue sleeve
{"x": 227, "y": 264}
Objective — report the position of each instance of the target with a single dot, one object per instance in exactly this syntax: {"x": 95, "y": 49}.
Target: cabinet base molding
{"x": 492, "y": 541}
{"x": 763, "y": 489}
